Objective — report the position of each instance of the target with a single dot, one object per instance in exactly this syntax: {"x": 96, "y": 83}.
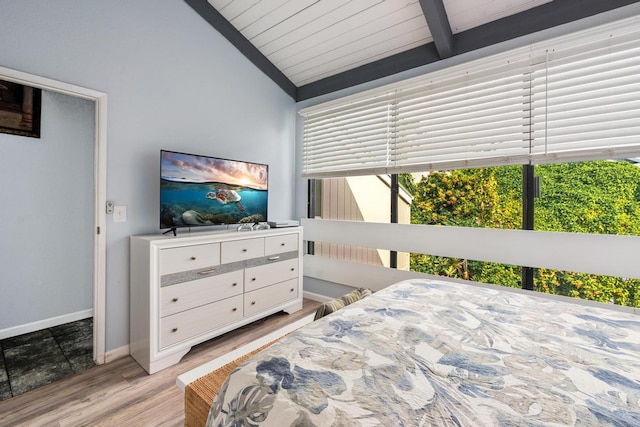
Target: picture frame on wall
{"x": 20, "y": 109}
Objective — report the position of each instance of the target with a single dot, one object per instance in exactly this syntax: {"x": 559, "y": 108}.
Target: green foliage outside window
{"x": 600, "y": 197}
{"x": 590, "y": 197}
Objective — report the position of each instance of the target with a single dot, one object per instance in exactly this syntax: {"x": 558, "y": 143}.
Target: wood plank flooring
{"x": 121, "y": 393}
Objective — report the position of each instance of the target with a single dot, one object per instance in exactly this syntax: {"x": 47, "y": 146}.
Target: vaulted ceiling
{"x": 313, "y": 47}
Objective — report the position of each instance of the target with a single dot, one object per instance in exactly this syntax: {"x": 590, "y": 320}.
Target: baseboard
{"x": 316, "y": 297}
{"x": 45, "y": 323}
{"x": 116, "y": 353}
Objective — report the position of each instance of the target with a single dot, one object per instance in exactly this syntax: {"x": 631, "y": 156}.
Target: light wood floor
{"x": 121, "y": 393}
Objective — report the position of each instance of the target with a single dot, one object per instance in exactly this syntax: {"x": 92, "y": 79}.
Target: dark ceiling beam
{"x": 542, "y": 17}
{"x": 530, "y": 21}
{"x": 224, "y": 27}
{"x": 403, "y": 61}
{"x": 438, "y": 22}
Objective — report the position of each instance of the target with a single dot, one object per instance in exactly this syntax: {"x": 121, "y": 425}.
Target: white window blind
{"x": 571, "y": 98}
{"x": 588, "y": 105}
{"x": 351, "y": 136}
{"x": 464, "y": 118}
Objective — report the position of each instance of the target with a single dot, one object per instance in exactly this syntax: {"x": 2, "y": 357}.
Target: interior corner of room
{"x": 122, "y": 81}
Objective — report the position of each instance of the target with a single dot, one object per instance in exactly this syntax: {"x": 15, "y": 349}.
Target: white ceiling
{"x": 314, "y": 47}
{"x": 308, "y": 40}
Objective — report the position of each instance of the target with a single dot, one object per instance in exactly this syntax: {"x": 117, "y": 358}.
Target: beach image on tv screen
{"x": 200, "y": 190}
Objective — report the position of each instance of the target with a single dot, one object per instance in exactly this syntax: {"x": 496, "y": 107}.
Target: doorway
{"x": 97, "y": 229}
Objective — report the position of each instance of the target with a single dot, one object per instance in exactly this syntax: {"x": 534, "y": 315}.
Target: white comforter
{"x": 444, "y": 354}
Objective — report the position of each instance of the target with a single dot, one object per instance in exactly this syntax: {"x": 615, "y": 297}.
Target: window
{"x": 480, "y": 197}
{"x": 474, "y": 130}
{"x": 359, "y": 198}
{"x": 595, "y": 197}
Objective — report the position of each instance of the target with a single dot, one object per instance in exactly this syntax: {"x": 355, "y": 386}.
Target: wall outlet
{"x": 120, "y": 214}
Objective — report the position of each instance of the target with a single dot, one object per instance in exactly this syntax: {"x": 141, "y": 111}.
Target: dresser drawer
{"x": 268, "y": 274}
{"x": 279, "y": 244}
{"x": 174, "y": 260}
{"x": 263, "y": 298}
{"x": 239, "y": 250}
{"x": 188, "y": 324}
{"x": 183, "y": 296}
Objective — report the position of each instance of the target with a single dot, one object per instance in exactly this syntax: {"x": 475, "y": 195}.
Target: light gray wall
{"x": 172, "y": 82}
{"x": 46, "y": 215}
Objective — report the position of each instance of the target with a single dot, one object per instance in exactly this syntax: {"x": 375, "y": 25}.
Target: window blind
{"x": 571, "y": 98}
{"x": 588, "y": 105}
{"x": 458, "y": 119}
{"x": 348, "y": 137}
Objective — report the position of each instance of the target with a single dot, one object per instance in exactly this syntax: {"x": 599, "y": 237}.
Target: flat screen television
{"x": 197, "y": 190}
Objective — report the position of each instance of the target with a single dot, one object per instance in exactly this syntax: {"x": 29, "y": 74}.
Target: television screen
{"x": 200, "y": 191}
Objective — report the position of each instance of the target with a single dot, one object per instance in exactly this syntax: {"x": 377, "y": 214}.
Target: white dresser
{"x": 191, "y": 288}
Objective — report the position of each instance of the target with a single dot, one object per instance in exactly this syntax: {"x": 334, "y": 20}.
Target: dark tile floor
{"x": 38, "y": 358}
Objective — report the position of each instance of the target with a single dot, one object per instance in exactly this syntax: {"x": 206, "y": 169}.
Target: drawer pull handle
{"x": 292, "y": 289}
{"x": 292, "y": 269}
{"x": 174, "y": 330}
{"x": 234, "y": 284}
{"x": 205, "y": 272}
{"x": 273, "y": 258}
{"x": 244, "y": 250}
{"x": 193, "y": 258}
{"x": 253, "y": 279}
{"x": 282, "y": 244}
{"x": 253, "y": 303}
{"x": 234, "y": 309}
{"x": 175, "y": 300}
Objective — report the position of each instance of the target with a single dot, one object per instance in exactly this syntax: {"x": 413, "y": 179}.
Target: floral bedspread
{"x": 422, "y": 353}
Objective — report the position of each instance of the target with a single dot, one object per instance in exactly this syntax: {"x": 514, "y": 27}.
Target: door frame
{"x": 100, "y": 192}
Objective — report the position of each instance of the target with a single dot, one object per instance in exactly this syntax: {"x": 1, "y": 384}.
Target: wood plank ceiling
{"x": 311, "y": 47}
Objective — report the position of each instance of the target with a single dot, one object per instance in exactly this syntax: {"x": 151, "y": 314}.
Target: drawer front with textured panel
{"x": 278, "y": 244}
{"x": 173, "y": 260}
{"x": 264, "y": 275}
{"x": 183, "y": 296}
{"x": 263, "y": 298}
{"x": 240, "y": 250}
{"x": 187, "y": 324}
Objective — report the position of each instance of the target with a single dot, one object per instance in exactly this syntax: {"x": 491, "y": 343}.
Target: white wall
{"x": 46, "y": 215}
{"x": 172, "y": 82}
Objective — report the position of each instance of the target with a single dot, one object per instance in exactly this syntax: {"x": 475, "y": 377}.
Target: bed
{"x": 426, "y": 352}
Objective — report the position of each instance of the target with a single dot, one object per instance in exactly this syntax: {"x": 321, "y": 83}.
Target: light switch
{"x": 120, "y": 214}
